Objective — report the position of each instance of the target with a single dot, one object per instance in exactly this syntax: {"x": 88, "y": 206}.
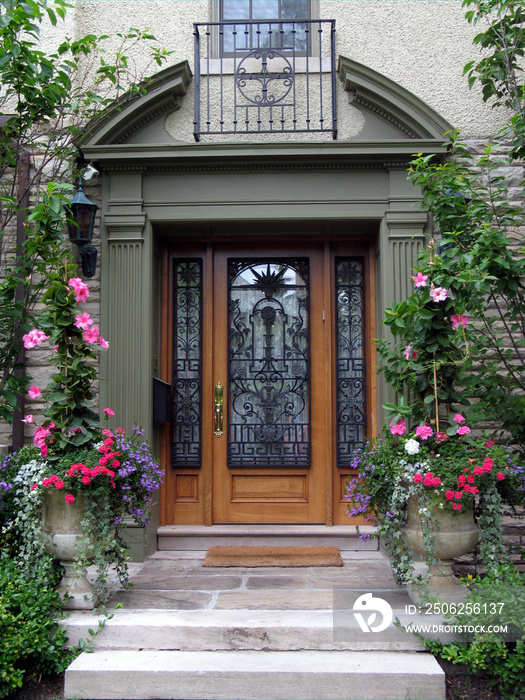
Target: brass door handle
{"x": 219, "y": 394}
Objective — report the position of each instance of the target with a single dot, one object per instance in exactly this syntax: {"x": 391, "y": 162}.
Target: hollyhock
{"x": 463, "y": 430}
{"x": 83, "y": 321}
{"x": 397, "y": 429}
{"x": 79, "y": 288}
{"x": 424, "y": 431}
{"x": 459, "y": 320}
{"x": 34, "y": 392}
{"x": 438, "y": 294}
{"x": 420, "y": 280}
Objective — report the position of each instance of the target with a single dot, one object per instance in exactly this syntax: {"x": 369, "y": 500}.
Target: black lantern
{"x": 80, "y": 225}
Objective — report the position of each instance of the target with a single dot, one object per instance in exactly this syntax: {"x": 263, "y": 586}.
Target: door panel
{"x": 282, "y": 328}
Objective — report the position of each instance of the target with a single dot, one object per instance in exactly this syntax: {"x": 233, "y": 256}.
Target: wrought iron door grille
{"x": 187, "y": 363}
{"x": 269, "y": 363}
{"x": 271, "y": 77}
{"x": 350, "y": 358}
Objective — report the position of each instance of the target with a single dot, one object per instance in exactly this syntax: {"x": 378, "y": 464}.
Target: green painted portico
{"x": 154, "y": 188}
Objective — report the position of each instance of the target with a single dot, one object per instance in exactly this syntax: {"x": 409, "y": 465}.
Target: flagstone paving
{"x": 178, "y": 581}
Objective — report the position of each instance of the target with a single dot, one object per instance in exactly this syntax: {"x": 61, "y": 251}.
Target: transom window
{"x": 265, "y": 24}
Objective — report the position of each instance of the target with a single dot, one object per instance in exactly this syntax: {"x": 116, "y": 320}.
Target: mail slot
{"x": 161, "y": 401}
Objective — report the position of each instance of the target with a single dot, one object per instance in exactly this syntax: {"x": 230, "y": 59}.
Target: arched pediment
{"x": 390, "y": 111}
{"x": 143, "y": 113}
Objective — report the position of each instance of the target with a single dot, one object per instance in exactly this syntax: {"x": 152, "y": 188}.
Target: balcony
{"x": 265, "y": 77}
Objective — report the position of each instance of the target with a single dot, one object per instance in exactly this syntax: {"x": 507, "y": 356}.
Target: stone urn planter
{"x": 62, "y": 525}
{"x": 456, "y": 534}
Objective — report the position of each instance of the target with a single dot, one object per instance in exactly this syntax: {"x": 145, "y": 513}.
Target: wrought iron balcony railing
{"x": 265, "y": 77}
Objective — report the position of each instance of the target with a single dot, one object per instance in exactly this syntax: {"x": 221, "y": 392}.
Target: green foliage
{"x": 503, "y": 662}
{"x": 46, "y": 99}
{"x": 500, "y": 70}
{"x": 31, "y": 635}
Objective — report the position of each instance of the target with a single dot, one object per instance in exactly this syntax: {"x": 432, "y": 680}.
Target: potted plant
{"x": 424, "y": 489}
{"x": 426, "y": 486}
{"x": 84, "y": 478}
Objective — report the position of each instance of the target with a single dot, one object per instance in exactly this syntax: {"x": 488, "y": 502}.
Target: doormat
{"x": 227, "y": 556}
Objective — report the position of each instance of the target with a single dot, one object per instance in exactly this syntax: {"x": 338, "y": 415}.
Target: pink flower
{"x": 427, "y": 481}
{"x": 69, "y": 498}
{"x": 86, "y": 480}
{"x": 91, "y": 335}
{"x": 436, "y": 481}
{"x": 420, "y": 280}
{"x": 46, "y": 482}
{"x": 103, "y": 343}
{"x": 449, "y": 495}
{"x": 34, "y": 337}
{"x": 461, "y": 479}
{"x": 109, "y": 412}
{"x": 474, "y": 489}
{"x": 424, "y": 431}
{"x": 477, "y": 470}
{"x": 79, "y": 288}
{"x": 458, "y": 495}
{"x": 500, "y": 476}
{"x": 459, "y": 320}
{"x": 407, "y": 350}
{"x": 418, "y": 478}
{"x": 471, "y": 478}
{"x": 34, "y": 392}
{"x": 463, "y": 430}
{"x": 458, "y": 418}
{"x": 489, "y": 443}
{"x": 59, "y": 484}
{"x": 487, "y": 464}
{"x": 441, "y": 437}
{"x": 466, "y": 488}
{"x": 83, "y": 321}
{"x": 456, "y": 506}
{"x": 438, "y": 294}
{"x": 28, "y": 419}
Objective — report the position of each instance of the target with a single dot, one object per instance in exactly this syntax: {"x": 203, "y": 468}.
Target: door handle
{"x": 219, "y": 395}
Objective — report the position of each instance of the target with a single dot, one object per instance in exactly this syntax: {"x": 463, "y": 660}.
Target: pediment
{"x": 390, "y": 111}
{"x": 139, "y": 118}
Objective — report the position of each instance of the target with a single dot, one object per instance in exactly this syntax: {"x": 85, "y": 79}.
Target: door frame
{"x": 194, "y": 496}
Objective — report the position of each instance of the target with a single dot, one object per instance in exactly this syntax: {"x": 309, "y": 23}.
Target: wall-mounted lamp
{"x": 80, "y": 225}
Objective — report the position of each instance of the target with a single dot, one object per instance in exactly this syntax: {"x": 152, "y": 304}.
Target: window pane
{"x": 294, "y": 9}
{"x": 235, "y": 9}
{"x": 265, "y": 9}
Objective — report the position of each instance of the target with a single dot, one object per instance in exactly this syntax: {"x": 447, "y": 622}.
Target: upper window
{"x": 254, "y": 24}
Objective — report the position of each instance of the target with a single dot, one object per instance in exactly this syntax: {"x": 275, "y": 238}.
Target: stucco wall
{"x": 421, "y": 44}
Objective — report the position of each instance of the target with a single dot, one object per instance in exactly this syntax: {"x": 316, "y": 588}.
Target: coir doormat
{"x": 227, "y": 556}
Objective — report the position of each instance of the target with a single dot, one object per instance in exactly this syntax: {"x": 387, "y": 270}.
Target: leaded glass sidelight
{"x": 350, "y": 363}
{"x": 187, "y": 363}
{"x": 268, "y": 373}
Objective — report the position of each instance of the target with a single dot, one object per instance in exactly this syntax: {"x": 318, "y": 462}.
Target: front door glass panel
{"x": 268, "y": 363}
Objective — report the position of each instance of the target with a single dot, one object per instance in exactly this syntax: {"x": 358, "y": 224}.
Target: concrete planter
{"x": 62, "y": 523}
{"x": 456, "y": 534}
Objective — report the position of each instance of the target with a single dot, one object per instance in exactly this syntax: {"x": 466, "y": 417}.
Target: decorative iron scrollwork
{"x": 187, "y": 373}
{"x": 350, "y": 361}
{"x": 269, "y": 377}
{"x": 264, "y": 77}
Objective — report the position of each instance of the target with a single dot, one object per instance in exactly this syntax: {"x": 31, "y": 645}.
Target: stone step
{"x": 213, "y": 630}
{"x": 200, "y": 537}
{"x": 254, "y": 675}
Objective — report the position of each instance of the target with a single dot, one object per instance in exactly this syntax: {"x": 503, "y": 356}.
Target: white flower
{"x": 412, "y": 446}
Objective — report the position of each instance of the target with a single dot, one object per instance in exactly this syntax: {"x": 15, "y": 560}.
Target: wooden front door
{"x": 269, "y": 382}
